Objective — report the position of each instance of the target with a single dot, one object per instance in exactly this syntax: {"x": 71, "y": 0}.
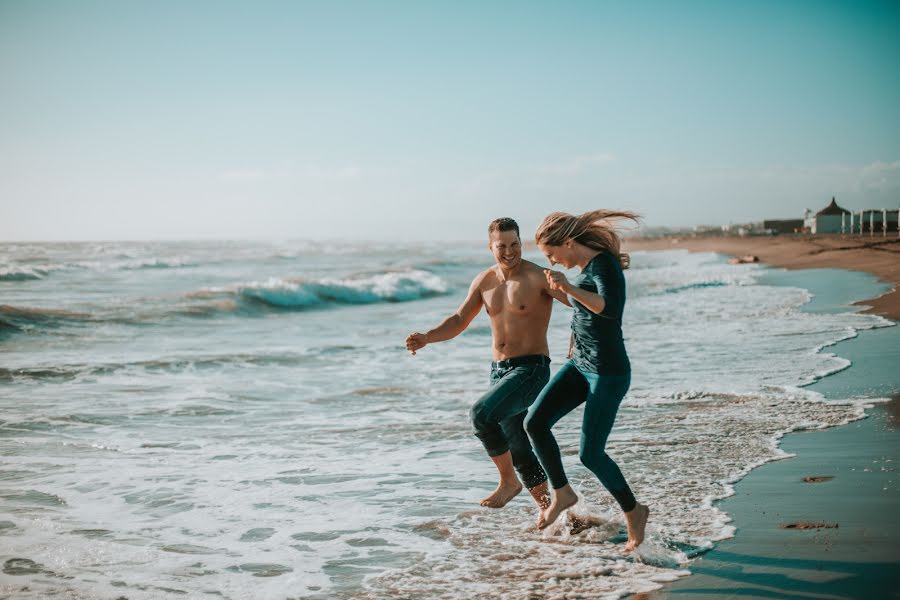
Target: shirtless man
{"x": 517, "y": 297}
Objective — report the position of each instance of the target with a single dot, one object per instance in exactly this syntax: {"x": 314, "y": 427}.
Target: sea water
{"x": 241, "y": 419}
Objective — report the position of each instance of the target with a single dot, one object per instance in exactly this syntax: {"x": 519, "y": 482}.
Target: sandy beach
{"x": 877, "y": 255}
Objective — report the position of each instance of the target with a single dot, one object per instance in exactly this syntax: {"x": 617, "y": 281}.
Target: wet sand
{"x": 844, "y": 479}
{"x": 877, "y": 255}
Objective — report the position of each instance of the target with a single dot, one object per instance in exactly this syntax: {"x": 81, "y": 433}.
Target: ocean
{"x": 241, "y": 419}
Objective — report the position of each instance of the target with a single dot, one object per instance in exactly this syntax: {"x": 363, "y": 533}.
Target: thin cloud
{"x": 244, "y": 174}
{"x": 578, "y": 164}
{"x": 880, "y": 168}
{"x": 288, "y": 170}
{"x": 335, "y": 172}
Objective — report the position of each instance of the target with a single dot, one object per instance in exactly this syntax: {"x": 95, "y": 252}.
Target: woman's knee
{"x": 585, "y": 459}
{"x": 593, "y": 458}
{"x": 534, "y": 424}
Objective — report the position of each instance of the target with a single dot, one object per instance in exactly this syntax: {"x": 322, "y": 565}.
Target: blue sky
{"x": 423, "y": 120}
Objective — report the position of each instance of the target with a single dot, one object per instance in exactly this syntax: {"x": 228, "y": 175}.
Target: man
{"x": 517, "y": 297}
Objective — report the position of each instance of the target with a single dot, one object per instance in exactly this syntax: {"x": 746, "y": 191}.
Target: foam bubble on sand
{"x": 653, "y": 551}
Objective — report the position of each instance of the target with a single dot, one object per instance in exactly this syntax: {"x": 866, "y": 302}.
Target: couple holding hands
{"x": 514, "y": 418}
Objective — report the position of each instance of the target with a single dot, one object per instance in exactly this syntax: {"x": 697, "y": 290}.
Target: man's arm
{"x": 453, "y": 325}
{"x": 550, "y": 290}
{"x": 561, "y": 296}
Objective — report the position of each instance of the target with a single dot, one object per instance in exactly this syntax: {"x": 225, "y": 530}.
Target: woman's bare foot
{"x": 506, "y": 491}
{"x": 563, "y": 498}
{"x": 636, "y": 519}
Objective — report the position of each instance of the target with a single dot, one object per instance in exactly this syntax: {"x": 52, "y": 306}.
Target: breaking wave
{"x": 21, "y": 273}
{"x": 67, "y": 372}
{"x": 41, "y": 271}
{"x": 696, "y": 286}
{"x": 241, "y": 299}
{"x": 402, "y": 286}
{"x": 23, "y": 318}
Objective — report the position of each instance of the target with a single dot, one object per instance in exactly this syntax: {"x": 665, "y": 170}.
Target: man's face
{"x": 506, "y": 248}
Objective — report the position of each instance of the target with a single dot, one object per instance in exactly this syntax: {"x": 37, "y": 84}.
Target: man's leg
{"x": 509, "y": 485}
{"x": 524, "y": 461}
{"x": 523, "y": 458}
{"x": 503, "y": 400}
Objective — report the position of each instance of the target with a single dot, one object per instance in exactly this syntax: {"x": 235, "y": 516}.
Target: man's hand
{"x": 625, "y": 260}
{"x": 416, "y": 341}
{"x": 557, "y": 281}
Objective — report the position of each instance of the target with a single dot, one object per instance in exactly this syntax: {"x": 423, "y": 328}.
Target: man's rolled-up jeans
{"x": 498, "y": 416}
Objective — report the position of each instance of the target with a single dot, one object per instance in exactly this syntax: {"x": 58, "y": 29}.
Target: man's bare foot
{"x": 541, "y": 495}
{"x": 636, "y": 519}
{"x": 563, "y": 498}
{"x": 578, "y": 524}
{"x": 505, "y": 492}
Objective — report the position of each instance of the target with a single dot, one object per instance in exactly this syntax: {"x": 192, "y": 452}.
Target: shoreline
{"x": 879, "y": 256}
{"x": 833, "y": 480}
{"x": 855, "y": 550}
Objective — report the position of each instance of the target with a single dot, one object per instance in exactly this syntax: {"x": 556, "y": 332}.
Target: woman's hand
{"x": 557, "y": 281}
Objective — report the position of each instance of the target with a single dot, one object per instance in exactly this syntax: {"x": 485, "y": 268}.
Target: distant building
{"x": 830, "y": 219}
{"x": 783, "y": 225}
{"x": 874, "y": 221}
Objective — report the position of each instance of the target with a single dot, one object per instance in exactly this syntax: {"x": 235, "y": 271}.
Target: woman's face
{"x": 559, "y": 255}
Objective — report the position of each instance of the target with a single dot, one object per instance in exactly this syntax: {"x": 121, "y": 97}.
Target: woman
{"x": 598, "y": 372}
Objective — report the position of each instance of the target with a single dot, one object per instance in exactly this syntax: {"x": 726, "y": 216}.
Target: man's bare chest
{"x": 511, "y": 297}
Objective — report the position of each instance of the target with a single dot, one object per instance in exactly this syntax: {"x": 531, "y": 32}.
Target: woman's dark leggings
{"x": 602, "y": 395}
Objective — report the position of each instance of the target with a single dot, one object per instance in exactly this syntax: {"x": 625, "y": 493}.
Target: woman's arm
{"x": 592, "y": 301}
{"x": 556, "y": 293}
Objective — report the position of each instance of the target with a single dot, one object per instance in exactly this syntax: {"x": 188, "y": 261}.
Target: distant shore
{"x": 877, "y": 255}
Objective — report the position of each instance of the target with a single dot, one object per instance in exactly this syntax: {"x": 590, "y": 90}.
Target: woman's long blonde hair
{"x": 595, "y": 229}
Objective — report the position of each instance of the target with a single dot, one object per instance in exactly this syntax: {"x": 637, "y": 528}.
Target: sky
{"x": 425, "y": 120}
